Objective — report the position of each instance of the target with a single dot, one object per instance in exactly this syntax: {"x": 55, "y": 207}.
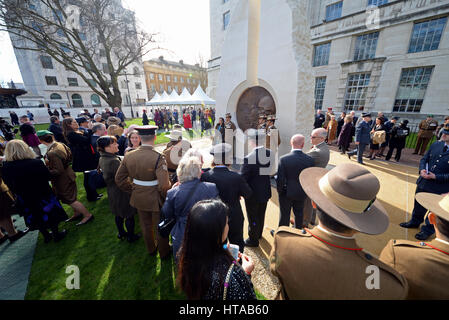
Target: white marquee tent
{"x": 199, "y": 97}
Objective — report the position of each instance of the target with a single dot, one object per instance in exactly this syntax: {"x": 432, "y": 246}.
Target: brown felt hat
{"x": 438, "y": 204}
{"x": 347, "y": 193}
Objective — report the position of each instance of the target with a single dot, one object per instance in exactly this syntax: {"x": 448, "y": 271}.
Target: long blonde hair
{"x": 18, "y": 150}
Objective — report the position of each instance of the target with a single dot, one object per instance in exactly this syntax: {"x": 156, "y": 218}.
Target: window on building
{"x": 55, "y": 96}
{"x": 334, "y": 10}
{"x": 92, "y": 83}
{"x": 102, "y": 53}
{"x": 161, "y": 88}
{"x": 82, "y": 36}
{"x": 376, "y": 2}
{"x": 51, "y": 81}
{"x": 57, "y": 14}
{"x": 160, "y": 77}
{"x": 46, "y": 62}
{"x": 181, "y": 79}
{"x": 77, "y": 100}
{"x": 321, "y": 54}
{"x": 320, "y": 86}
{"x": 226, "y": 19}
{"x": 356, "y": 91}
{"x": 65, "y": 47}
{"x": 73, "y": 82}
{"x": 426, "y": 35}
{"x": 365, "y": 46}
{"x": 224, "y": 1}
{"x": 153, "y": 88}
{"x": 175, "y": 79}
{"x": 136, "y": 71}
{"x": 412, "y": 89}
{"x": 32, "y": 6}
{"x": 124, "y": 84}
{"x": 168, "y": 78}
{"x": 169, "y": 89}
{"x": 176, "y": 89}
{"x": 188, "y": 80}
{"x": 138, "y": 85}
{"x": 105, "y": 68}
{"x": 95, "y": 100}
{"x": 151, "y": 76}
{"x": 83, "y": 22}
{"x": 60, "y": 32}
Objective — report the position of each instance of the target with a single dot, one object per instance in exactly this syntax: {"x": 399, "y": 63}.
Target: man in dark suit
{"x": 55, "y": 128}
{"x": 291, "y": 194}
{"x": 362, "y": 137}
{"x": 231, "y": 186}
{"x": 257, "y": 168}
{"x": 319, "y": 120}
{"x": 98, "y": 130}
{"x": 434, "y": 178}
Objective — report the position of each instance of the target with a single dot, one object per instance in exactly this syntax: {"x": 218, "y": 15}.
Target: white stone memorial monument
{"x": 267, "y": 47}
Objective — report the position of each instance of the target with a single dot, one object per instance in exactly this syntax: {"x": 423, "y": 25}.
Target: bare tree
{"x": 202, "y": 74}
{"x": 96, "y": 39}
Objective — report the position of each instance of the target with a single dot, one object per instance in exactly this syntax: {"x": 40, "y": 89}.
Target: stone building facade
{"x": 162, "y": 75}
{"x": 370, "y": 55}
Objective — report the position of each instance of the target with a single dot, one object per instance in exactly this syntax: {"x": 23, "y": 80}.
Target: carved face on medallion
{"x": 254, "y": 102}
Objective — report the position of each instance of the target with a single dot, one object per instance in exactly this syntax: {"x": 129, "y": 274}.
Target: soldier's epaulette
{"x": 407, "y": 243}
{"x": 297, "y": 232}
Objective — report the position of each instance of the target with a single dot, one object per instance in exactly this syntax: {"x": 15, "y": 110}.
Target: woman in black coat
{"x": 84, "y": 158}
{"x": 345, "y": 137}
{"x": 341, "y": 123}
{"x": 28, "y": 179}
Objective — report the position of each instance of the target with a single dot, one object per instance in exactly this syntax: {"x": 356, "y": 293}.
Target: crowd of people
{"x": 199, "y": 208}
{"x": 187, "y": 117}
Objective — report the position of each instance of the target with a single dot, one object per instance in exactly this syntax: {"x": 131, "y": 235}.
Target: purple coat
{"x": 345, "y": 137}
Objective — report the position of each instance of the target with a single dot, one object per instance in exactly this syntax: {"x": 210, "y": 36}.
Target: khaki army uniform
{"x": 147, "y": 170}
{"x": 230, "y": 125}
{"x": 313, "y": 264}
{"x": 427, "y": 129}
{"x": 175, "y": 149}
{"x": 262, "y": 126}
{"x": 268, "y": 139}
{"x": 424, "y": 265}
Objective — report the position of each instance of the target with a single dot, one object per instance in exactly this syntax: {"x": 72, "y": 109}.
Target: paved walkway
{"x": 15, "y": 264}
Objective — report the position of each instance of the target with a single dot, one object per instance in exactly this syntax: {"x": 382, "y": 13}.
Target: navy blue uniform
{"x": 437, "y": 160}
{"x": 363, "y": 137}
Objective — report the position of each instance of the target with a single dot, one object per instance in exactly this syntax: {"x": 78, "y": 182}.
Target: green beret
{"x": 42, "y": 133}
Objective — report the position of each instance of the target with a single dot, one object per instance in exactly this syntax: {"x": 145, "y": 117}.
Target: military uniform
{"x": 263, "y": 125}
{"x": 300, "y": 258}
{"x": 436, "y": 160}
{"x": 175, "y": 149}
{"x": 147, "y": 170}
{"x": 270, "y": 132}
{"x": 427, "y": 129}
{"x": 424, "y": 265}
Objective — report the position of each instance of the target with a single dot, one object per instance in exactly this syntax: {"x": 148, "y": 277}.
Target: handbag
{"x": 166, "y": 225}
{"x": 96, "y": 180}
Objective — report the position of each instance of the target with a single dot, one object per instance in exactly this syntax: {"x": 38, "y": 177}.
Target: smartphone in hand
{"x": 234, "y": 249}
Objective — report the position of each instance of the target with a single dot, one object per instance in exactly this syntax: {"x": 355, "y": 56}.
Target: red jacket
{"x": 187, "y": 121}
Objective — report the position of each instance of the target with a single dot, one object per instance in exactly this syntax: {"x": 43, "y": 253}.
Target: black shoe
{"x": 18, "y": 235}
{"x": 5, "y": 237}
{"x": 349, "y": 156}
{"x": 410, "y": 225}
{"x": 272, "y": 232}
{"x": 60, "y": 235}
{"x": 361, "y": 163}
{"x": 75, "y": 218}
{"x": 422, "y": 236}
{"x": 251, "y": 244}
{"x": 133, "y": 238}
{"x": 86, "y": 222}
{"x": 121, "y": 236}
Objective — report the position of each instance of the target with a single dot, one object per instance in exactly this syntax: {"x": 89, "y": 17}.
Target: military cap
{"x": 446, "y": 129}
{"x": 146, "y": 130}
{"x": 42, "y": 133}
{"x": 81, "y": 120}
{"x": 221, "y": 148}
{"x": 228, "y": 115}
{"x": 175, "y": 135}
{"x": 271, "y": 117}
{"x": 263, "y": 116}
{"x": 396, "y": 118}
{"x": 438, "y": 204}
{"x": 366, "y": 114}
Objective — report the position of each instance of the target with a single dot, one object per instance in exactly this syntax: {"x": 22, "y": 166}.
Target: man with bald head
{"x": 291, "y": 194}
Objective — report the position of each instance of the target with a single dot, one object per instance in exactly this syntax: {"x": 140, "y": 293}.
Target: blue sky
{"x": 183, "y": 30}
